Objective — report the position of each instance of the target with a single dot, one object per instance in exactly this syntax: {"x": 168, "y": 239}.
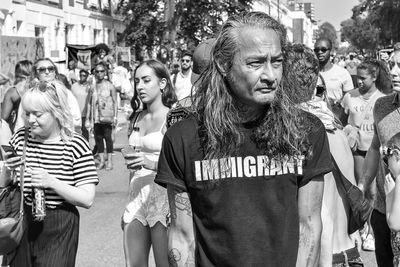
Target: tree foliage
{"x": 361, "y": 34}
{"x": 327, "y": 30}
{"x": 172, "y": 23}
{"x": 384, "y": 16}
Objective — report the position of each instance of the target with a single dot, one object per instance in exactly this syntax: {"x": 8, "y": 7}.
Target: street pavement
{"x": 100, "y": 242}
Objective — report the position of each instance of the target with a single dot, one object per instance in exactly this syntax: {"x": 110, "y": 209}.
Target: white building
{"x": 60, "y": 22}
{"x": 299, "y": 26}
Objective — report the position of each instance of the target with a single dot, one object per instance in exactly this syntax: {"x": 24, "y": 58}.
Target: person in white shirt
{"x": 81, "y": 91}
{"x": 182, "y": 80}
{"x": 337, "y": 79}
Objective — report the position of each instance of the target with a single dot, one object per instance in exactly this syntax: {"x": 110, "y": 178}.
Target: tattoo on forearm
{"x": 183, "y": 204}
{"x": 173, "y": 257}
{"x": 307, "y": 241}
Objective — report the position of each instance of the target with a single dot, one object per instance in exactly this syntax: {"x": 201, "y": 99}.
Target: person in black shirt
{"x": 248, "y": 164}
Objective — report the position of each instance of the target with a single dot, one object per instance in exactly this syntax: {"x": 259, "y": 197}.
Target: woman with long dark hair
{"x": 144, "y": 220}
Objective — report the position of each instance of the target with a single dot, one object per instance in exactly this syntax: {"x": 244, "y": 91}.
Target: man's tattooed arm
{"x": 309, "y": 204}
{"x": 180, "y": 236}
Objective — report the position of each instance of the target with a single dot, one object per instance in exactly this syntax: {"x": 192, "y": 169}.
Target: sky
{"x": 333, "y": 11}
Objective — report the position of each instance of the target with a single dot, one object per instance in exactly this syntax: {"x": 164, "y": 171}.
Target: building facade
{"x": 299, "y": 24}
{"x": 61, "y": 22}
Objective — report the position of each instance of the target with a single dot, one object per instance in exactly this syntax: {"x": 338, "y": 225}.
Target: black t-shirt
{"x": 245, "y": 215}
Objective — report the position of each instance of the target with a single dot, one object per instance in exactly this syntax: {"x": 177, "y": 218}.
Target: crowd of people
{"x": 236, "y": 159}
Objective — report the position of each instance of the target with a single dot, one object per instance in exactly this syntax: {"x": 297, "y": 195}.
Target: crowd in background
{"x": 353, "y": 96}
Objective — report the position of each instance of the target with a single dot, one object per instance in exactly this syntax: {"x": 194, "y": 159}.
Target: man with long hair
{"x": 248, "y": 164}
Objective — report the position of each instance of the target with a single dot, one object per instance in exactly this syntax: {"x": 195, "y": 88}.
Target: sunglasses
{"x": 44, "y": 69}
{"x": 186, "y": 60}
{"x": 322, "y": 49}
{"x": 389, "y": 151}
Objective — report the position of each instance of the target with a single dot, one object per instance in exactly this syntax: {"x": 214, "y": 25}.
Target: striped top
{"x": 71, "y": 162}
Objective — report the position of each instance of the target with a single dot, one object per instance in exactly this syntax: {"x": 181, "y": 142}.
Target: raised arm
{"x": 181, "y": 235}
{"x": 309, "y": 204}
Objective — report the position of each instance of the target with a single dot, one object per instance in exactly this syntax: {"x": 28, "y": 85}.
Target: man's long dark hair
{"x": 279, "y": 132}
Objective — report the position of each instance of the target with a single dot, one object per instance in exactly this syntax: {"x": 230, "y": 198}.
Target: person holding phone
{"x": 58, "y": 161}
{"x": 144, "y": 220}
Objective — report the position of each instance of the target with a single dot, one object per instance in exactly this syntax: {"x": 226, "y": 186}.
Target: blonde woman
{"x": 59, "y": 161}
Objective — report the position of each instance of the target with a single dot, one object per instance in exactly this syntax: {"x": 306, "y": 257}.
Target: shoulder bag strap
{"x": 22, "y": 172}
{"x": 341, "y": 180}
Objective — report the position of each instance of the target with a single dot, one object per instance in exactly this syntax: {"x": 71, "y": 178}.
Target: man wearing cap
{"x": 182, "y": 80}
{"x": 245, "y": 170}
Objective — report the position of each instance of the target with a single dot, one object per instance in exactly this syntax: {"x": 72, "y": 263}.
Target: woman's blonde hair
{"x": 51, "y": 97}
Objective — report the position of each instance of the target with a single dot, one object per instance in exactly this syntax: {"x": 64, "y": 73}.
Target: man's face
{"x": 71, "y": 65}
{"x": 257, "y": 67}
{"x": 83, "y": 77}
{"x": 186, "y": 63}
{"x": 322, "y": 51}
{"x": 395, "y": 70}
{"x": 100, "y": 72}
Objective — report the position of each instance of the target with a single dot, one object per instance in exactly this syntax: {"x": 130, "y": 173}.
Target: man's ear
{"x": 222, "y": 68}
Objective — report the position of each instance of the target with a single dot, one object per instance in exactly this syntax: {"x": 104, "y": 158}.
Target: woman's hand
{"x": 13, "y": 162}
{"x": 41, "y": 178}
{"x": 138, "y": 160}
{"x": 356, "y": 239}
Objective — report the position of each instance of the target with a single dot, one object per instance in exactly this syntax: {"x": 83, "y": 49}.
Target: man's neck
{"x": 186, "y": 72}
{"x": 325, "y": 66}
{"x": 250, "y": 113}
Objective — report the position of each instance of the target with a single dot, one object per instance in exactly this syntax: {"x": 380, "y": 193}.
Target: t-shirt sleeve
{"x": 17, "y": 141}
{"x": 170, "y": 169}
{"x": 75, "y": 109}
{"x": 84, "y": 168}
{"x": 347, "y": 82}
{"x": 319, "y": 162}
